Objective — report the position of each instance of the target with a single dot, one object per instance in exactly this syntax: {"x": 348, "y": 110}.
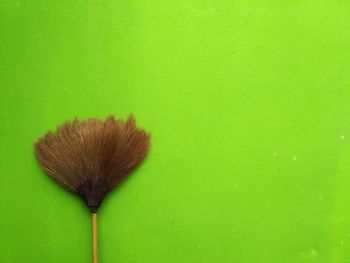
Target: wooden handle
{"x": 94, "y": 238}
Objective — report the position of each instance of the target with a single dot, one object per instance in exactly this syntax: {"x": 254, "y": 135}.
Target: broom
{"x": 91, "y": 157}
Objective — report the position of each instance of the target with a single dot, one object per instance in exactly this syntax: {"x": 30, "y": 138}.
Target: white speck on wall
{"x": 294, "y": 158}
{"x": 342, "y": 136}
{"x": 309, "y": 253}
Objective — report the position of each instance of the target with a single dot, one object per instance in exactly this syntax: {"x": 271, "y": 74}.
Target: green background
{"x": 248, "y": 106}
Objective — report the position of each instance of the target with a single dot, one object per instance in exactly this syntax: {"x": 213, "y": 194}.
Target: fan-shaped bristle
{"x": 90, "y": 157}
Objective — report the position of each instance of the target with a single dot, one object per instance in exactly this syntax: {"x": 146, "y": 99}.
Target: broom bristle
{"x": 90, "y": 157}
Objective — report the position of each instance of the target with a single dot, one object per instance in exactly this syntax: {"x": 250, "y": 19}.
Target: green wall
{"x": 248, "y": 106}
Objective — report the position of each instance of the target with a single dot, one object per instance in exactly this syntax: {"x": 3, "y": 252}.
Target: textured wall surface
{"x": 248, "y": 105}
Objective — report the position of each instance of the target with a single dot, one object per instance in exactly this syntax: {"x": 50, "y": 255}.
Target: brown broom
{"x": 91, "y": 157}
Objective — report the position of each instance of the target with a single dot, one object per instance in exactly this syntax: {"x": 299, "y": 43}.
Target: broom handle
{"x": 94, "y": 238}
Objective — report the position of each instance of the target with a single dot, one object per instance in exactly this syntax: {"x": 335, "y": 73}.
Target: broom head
{"x": 90, "y": 157}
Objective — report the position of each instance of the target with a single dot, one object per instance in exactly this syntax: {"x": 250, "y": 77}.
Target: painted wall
{"x": 248, "y": 105}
